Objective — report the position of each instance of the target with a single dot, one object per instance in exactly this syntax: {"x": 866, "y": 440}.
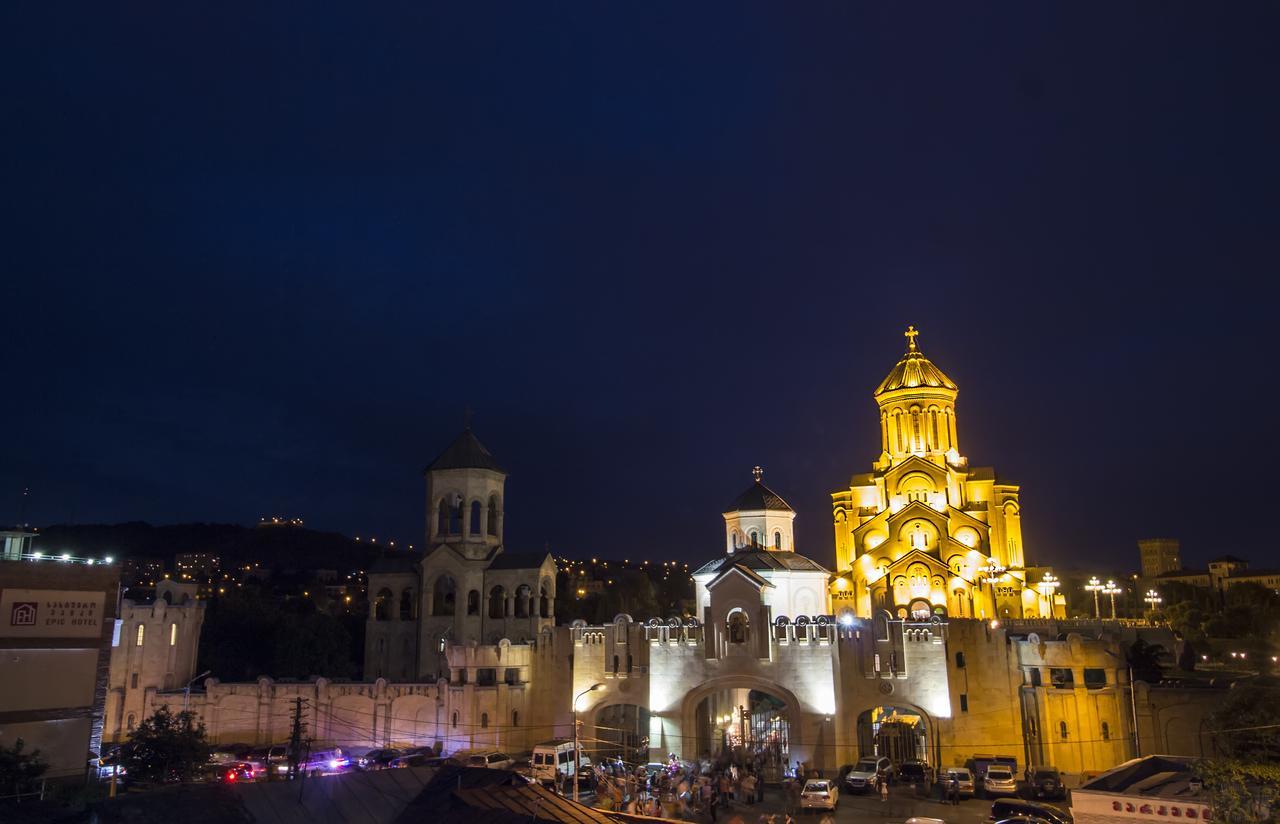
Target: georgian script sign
{"x": 50, "y": 613}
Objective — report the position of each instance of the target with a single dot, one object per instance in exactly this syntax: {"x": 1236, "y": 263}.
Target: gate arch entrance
{"x": 899, "y": 731}
{"x": 743, "y": 719}
{"x": 621, "y": 731}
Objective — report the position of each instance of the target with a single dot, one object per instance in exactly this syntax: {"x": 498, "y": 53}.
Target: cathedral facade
{"x": 924, "y": 533}
{"x": 926, "y": 641}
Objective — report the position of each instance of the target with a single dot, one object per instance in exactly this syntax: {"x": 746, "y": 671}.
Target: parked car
{"x": 491, "y": 761}
{"x": 866, "y": 774}
{"x": 269, "y": 758}
{"x": 914, "y": 772}
{"x": 964, "y": 781}
{"x": 1045, "y": 782}
{"x": 979, "y": 763}
{"x": 377, "y": 759}
{"x": 418, "y": 759}
{"x": 1030, "y": 811}
{"x": 819, "y": 794}
{"x": 234, "y": 772}
{"x": 999, "y": 781}
{"x": 325, "y": 762}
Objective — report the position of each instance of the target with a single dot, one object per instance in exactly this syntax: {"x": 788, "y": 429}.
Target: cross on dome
{"x": 757, "y": 472}
{"x": 910, "y": 335}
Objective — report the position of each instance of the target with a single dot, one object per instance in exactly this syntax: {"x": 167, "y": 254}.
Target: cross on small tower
{"x": 757, "y": 471}
{"x": 910, "y": 335}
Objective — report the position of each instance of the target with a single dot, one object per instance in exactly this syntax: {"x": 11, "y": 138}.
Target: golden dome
{"x": 914, "y": 370}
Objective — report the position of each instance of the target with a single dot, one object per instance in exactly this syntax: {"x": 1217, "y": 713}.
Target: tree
{"x": 1145, "y": 661}
{"x": 19, "y": 769}
{"x": 167, "y": 746}
{"x": 1240, "y": 792}
{"x": 1248, "y": 724}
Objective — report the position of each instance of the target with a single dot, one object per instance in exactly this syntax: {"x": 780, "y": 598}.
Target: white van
{"x": 553, "y": 760}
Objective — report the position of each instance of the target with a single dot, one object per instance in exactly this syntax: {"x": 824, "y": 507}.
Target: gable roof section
{"x": 739, "y": 569}
{"x": 762, "y": 560}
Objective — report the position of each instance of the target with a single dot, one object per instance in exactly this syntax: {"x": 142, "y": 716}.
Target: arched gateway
{"x": 744, "y": 715}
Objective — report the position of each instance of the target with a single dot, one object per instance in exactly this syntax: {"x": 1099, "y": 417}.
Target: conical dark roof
{"x": 757, "y": 497}
{"x": 466, "y": 452}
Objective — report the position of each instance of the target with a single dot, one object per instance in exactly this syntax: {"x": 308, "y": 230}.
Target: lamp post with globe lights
{"x": 1153, "y": 598}
{"x": 992, "y": 572}
{"x": 1095, "y": 586}
{"x": 1112, "y": 590}
{"x": 1049, "y": 583}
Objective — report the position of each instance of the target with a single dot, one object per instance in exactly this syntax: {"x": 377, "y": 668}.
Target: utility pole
{"x": 297, "y": 728}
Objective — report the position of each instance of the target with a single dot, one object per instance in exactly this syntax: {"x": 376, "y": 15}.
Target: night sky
{"x": 259, "y": 258}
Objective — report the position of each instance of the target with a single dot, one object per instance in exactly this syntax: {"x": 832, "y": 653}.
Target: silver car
{"x": 1000, "y": 781}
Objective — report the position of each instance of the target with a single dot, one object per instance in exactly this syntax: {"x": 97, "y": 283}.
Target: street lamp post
{"x": 577, "y": 756}
{"x": 993, "y": 571}
{"x": 1050, "y": 583}
{"x": 1095, "y": 586}
{"x": 1152, "y": 599}
{"x": 1112, "y": 590}
{"x": 186, "y": 693}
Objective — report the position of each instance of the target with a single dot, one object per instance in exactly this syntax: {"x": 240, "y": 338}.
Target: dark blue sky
{"x": 259, "y": 257}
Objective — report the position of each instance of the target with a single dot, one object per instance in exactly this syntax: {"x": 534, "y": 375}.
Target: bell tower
{"x": 465, "y": 489}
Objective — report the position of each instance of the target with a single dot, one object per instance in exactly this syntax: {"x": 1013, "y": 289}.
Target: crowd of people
{"x": 715, "y": 790}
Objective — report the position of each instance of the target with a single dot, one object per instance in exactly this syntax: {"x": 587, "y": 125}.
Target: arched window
{"x": 522, "y": 601}
{"x": 406, "y": 605}
{"x": 738, "y": 627}
{"x": 493, "y": 514}
{"x": 475, "y": 518}
{"x": 473, "y": 602}
{"x": 130, "y": 722}
{"x": 141, "y": 633}
{"x": 615, "y": 665}
{"x": 1106, "y": 731}
{"x": 497, "y": 602}
{"x": 442, "y": 519}
{"x": 515, "y": 718}
{"x": 455, "y": 518}
{"x": 544, "y": 602}
{"x": 755, "y": 539}
{"x": 484, "y": 720}
{"x": 455, "y": 718}
{"x": 443, "y": 596}
{"x": 628, "y": 662}
{"x": 1062, "y": 728}
{"x": 777, "y": 540}
{"x": 382, "y": 605}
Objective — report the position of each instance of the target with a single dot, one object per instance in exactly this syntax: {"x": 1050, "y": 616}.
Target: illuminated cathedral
{"x": 924, "y": 533}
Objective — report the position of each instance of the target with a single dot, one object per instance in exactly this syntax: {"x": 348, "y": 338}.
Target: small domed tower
{"x": 917, "y": 410}
{"x": 465, "y": 488}
{"x": 759, "y": 518}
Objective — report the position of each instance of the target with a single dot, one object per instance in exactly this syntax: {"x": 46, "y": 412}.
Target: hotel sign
{"x": 50, "y": 613}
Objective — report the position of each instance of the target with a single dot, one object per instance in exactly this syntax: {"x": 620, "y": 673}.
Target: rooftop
{"x": 466, "y": 452}
{"x": 1155, "y": 776}
{"x": 761, "y": 560}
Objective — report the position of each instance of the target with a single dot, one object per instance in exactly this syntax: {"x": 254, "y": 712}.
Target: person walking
{"x": 953, "y": 790}
{"x": 884, "y": 790}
